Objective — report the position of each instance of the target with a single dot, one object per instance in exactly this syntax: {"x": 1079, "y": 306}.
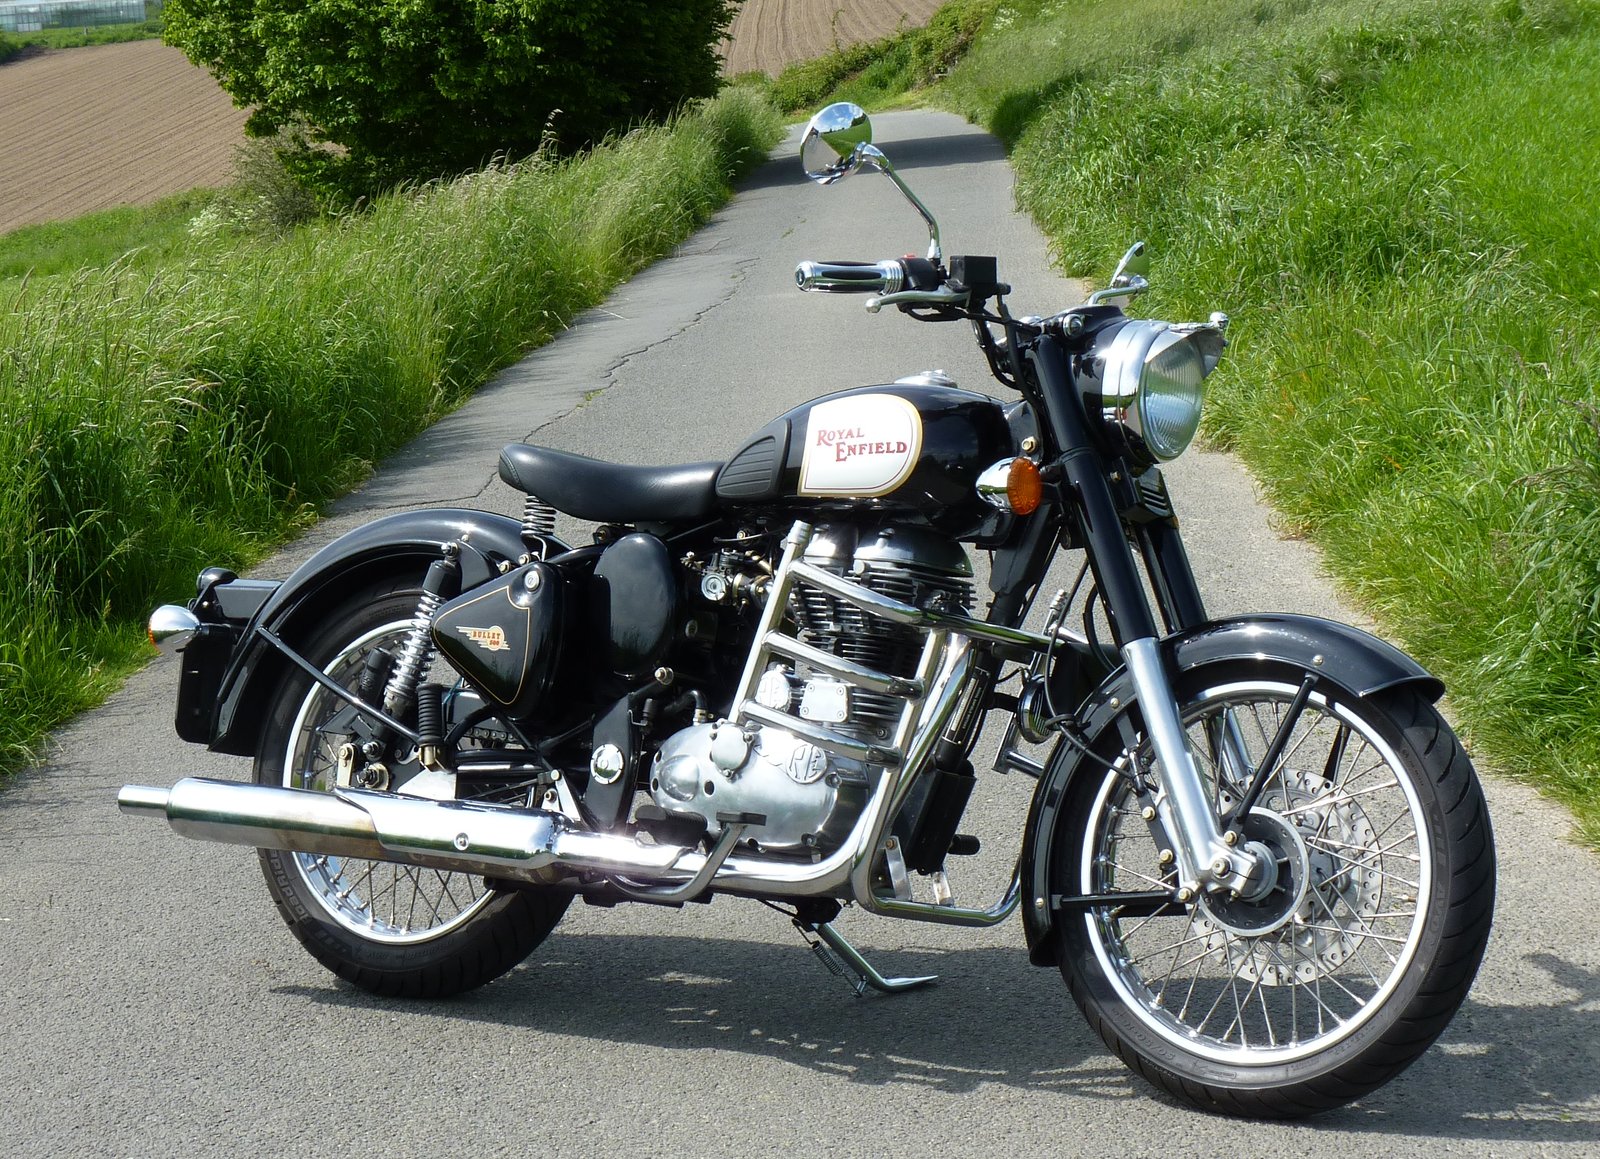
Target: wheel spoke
{"x": 376, "y": 900}
{"x": 1331, "y": 795}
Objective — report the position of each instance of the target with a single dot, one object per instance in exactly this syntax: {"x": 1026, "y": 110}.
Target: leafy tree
{"x": 414, "y": 89}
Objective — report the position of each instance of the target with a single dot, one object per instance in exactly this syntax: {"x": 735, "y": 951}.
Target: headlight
{"x": 1151, "y": 385}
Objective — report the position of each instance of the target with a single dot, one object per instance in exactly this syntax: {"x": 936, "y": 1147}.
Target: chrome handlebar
{"x": 851, "y": 277}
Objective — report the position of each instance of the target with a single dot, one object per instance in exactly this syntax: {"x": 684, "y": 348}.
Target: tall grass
{"x": 1395, "y": 202}
{"x": 152, "y": 419}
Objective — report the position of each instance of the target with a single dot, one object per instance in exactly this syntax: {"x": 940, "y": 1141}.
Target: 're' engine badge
{"x": 810, "y": 800}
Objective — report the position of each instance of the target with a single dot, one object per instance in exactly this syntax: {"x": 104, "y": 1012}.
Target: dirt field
{"x": 124, "y": 124}
{"x": 766, "y": 35}
{"x": 118, "y": 124}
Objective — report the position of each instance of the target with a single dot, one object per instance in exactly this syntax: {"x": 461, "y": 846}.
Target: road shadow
{"x": 967, "y": 145}
{"x": 1501, "y": 1072}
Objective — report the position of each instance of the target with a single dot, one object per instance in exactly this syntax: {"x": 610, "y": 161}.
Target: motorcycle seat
{"x": 604, "y": 492}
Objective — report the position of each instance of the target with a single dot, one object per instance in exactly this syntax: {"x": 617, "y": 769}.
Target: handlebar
{"x": 851, "y": 277}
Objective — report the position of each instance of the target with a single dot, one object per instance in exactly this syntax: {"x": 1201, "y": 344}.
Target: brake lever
{"x": 940, "y": 297}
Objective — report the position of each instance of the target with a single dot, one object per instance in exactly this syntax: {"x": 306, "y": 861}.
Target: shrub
{"x": 415, "y": 90}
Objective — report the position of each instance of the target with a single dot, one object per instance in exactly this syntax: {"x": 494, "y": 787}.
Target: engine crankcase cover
{"x": 810, "y": 798}
{"x": 505, "y": 635}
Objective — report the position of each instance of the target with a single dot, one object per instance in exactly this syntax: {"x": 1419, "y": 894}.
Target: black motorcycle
{"x": 1255, "y": 851}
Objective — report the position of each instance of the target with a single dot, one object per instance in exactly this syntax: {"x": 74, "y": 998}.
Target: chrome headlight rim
{"x": 1130, "y": 393}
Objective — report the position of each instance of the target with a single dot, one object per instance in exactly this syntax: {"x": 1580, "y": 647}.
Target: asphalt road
{"x": 152, "y": 1003}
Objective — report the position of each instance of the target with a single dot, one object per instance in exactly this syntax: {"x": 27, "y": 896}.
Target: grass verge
{"x": 13, "y": 43}
{"x": 874, "y": 72}
{"x": 142, "y": 235}
{"x": 156, "y": 418}
{"x": 1394, "y": 201}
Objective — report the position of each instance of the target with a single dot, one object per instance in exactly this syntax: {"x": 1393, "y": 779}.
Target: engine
{"x": 811, "y": 797}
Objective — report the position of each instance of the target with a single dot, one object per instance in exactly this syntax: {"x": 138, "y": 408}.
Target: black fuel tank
{"x": 914, "y": 448}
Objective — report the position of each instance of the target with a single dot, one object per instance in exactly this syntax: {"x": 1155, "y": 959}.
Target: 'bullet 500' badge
{"x": 864, "y": 445}
{"x": 489, "y": 639}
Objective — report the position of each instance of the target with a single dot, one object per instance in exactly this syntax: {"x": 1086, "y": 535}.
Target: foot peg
{"x": 839, "y": 957}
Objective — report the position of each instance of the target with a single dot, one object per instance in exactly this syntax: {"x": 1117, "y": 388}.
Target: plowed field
{"x": 766, "y": 35}
{"x": 117, "y": 124}
{"x": 124, "y": 124}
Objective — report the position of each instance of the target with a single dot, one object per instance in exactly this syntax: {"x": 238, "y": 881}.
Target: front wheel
{"x": 395, "y": 930}
{"x": 1352, "y": 964}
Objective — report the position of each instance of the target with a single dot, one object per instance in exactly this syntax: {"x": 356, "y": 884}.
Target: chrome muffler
{"x": 459, "y": 836}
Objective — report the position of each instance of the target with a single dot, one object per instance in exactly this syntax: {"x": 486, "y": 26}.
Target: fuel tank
{"x": 913, "y": 448}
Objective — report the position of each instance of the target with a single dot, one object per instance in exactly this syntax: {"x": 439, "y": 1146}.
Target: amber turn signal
{"x": 1024, "y": 489}
{"x": 1012, "y": 485}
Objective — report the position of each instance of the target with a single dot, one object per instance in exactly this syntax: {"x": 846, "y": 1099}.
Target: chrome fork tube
{"x": 1204, "y": 859}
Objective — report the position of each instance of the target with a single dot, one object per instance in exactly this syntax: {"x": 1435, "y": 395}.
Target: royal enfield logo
{"x": 863, "y": 445}
{"x": 489, "y": 639}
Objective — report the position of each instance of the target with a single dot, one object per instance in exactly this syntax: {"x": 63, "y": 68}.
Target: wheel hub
{"x": 1280, "y": 883}
{"x": 1329, "y": 888}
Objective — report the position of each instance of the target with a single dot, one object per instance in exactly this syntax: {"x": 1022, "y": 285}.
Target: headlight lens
{"x": 1152, "y": 385}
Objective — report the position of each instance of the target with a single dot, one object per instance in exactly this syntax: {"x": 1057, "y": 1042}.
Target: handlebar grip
{"x": 850, "y": 277}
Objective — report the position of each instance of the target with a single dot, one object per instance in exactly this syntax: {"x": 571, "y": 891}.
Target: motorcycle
{"x": 1255, "y": 851}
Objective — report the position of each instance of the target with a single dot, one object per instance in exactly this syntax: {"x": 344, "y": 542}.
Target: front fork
{"x": 1207, "y": 858}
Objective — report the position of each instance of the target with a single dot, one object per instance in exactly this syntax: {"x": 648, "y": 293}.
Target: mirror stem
{"x": 872, "y": 155}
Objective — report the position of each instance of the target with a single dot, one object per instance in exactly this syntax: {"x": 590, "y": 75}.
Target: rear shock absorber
{"x": 538, "y": 525}
{"x": 442, "y": 583}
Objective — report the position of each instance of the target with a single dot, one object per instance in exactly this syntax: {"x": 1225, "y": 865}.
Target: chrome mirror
{"x": 838, "y": 141}
{"x": 1134, "y": 264}
{"x": 1131, "y": 278}
{"x": 834, "y": 140}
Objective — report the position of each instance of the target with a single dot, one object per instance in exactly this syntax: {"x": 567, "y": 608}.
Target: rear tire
{"x": 394, "y": 930}
{"x": 1351, "y": 967}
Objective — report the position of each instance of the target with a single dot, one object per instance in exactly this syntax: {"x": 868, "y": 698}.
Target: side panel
{"x": 394, "y": 545}
{"x": 1347, "y": 658}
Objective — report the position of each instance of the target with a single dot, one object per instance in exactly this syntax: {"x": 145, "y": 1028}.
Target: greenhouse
{"x": 37, "y": 15}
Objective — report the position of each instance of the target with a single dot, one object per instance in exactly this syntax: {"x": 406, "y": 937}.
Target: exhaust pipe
{"x": 459, "y": 836}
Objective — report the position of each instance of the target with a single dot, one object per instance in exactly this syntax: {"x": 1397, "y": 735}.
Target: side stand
{"x": 839, "y": 957}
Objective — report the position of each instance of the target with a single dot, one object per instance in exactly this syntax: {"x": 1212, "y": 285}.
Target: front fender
{"x": 1344, "y": 658}
{"x": 409, "y": 541}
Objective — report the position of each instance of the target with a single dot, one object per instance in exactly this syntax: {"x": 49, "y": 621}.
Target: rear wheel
{"x": 397, "y": 930}
{"x": 1356, "y": 959}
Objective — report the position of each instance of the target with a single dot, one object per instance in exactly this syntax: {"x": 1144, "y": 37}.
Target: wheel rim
{"x": 1308, "y": 982}
{"x": 380, "y": 901}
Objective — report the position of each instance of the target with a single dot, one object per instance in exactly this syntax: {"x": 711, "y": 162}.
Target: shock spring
{"x": 416, "y": 653}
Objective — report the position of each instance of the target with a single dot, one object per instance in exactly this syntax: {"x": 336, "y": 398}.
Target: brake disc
{"x": 1329, "y": 892}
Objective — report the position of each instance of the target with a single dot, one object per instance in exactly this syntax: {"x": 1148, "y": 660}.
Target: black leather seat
{"x": 604, "y": 492}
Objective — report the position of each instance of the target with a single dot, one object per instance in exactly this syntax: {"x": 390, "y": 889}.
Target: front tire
{"x": 1355, "y": 962}
{"x": 394, "y": 930}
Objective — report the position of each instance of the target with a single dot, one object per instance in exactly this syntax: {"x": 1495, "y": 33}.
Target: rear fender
{"x": 395, "y": 545}
{"x": 1345, "y": 659}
